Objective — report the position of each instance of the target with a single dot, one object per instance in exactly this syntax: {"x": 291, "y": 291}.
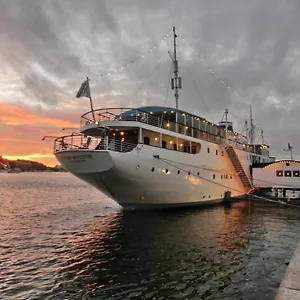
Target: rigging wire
{"x": 200, "y": 94}
{"x": 130, "y": 63}
{"x": 151, "y": 73}
{"x": 168, "y": 85}
{"x": 230, "y": 188}
{"x": 218, "y": 171}
{"x": 209, "y": 68}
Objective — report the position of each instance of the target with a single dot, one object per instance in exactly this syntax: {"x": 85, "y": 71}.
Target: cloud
{"x": 49, "y": 47}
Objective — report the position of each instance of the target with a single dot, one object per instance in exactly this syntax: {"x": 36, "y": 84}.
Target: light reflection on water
{"x": 61, "y": 239}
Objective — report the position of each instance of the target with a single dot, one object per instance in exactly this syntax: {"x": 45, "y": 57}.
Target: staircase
{"x": 238, "y": 167}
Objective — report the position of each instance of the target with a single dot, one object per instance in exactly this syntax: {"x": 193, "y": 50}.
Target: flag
{"x": 84, "y": 90}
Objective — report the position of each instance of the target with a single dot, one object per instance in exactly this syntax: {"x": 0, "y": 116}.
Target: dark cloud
{"x": 254, "y": 46}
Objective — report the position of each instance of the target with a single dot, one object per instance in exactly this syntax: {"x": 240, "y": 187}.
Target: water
{"x": 62, "y": 239}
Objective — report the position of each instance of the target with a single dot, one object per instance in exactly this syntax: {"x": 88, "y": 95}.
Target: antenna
{"x": 176, "y": 81}
{"x": 290, "y": 148}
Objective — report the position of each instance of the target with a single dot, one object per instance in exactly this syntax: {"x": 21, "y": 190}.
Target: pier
{"x": 290, "y": 286}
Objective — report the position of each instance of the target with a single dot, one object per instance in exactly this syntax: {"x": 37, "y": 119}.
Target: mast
{"x": 251, "y": 127}
{"x": 226, "y": 125}
{"x": 246, "y": 125}
{"x": 176, "y": 81}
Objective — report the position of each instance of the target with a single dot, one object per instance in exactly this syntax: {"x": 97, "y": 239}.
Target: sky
{"x": 232, "y": 53}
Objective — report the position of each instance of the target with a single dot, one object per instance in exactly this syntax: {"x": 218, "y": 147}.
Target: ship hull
{"x": 150, "y": 177}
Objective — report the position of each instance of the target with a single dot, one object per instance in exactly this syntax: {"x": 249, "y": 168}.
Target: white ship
{"x": 159, "y": 157}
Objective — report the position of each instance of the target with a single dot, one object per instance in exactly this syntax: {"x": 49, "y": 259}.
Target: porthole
{"x": 153, "y": 169}
{"x": 208, "y": 196}
{"x": 167, "y": 171}
{"x": 178, "y": 171}
{"x": 189, "y": 173}
{"x": 198, "y": 173}
{"x": 137, "y": 167}
{"x": 203, "y": 196}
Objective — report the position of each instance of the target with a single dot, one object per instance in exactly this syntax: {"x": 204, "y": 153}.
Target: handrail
{"x": 81, "y": 142}
{"x": 204, "y": 131}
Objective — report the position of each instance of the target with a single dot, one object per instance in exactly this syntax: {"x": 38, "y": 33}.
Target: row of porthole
{"x": 198, "y": 174}
{"x": 178, "y": 172}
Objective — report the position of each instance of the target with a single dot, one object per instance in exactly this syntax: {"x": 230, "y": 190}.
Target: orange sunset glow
{"x": 22, "y": 131}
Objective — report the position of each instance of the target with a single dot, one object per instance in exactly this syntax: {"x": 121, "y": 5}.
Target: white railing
{"x": 80, "y": 141}
{"x": 187, "y": 125}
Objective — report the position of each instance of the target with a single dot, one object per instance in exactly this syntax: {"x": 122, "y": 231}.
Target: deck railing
{"x": 80, "y": 141}
{"x": 187, "y": 125}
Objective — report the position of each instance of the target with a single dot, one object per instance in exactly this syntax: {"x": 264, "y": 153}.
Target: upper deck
{"x": 169, "y": 119}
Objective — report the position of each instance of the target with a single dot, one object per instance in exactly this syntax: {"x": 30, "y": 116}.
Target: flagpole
{"x": 91, "y": 102}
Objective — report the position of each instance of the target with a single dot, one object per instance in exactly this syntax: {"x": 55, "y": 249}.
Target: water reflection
{"x": 170, "y": 253}
{"x": 54, "y": 246}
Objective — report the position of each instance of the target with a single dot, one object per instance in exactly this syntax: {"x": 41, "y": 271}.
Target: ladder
{"x": 239, "y": 168}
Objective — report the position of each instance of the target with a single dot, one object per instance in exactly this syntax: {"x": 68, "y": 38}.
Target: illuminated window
{"x": 288, "y": 173}
{"x": 279, "y": 173}
{"x": 296, "y": 174}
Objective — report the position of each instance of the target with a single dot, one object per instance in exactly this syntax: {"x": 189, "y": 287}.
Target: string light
{"x": 121, "y": 68}
{"x": 205, "y": 64}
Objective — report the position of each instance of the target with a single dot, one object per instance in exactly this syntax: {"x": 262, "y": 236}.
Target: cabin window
{"x": 214, "y": 176}
{"x": 279, "y": 173}
{"x": 164, "y": 144}
{"x": 207, "y": 150}
{"x": 146, "y": 140}
{"x": 296, "y": 174}
{"x": 216, "y": 152}
{"x": 287, "y": 164}
{"x": 288, "y": 173}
